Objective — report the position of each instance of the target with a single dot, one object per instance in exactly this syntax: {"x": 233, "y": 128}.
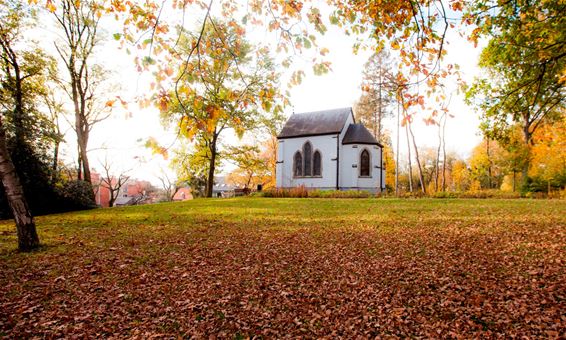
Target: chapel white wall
{"x": 350, "y": 167}
{"x": 326, "y": 145}
{"x": 349, "y": 156}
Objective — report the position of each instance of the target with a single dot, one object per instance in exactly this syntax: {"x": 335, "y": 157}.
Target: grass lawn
{"x": 258, "y": 267}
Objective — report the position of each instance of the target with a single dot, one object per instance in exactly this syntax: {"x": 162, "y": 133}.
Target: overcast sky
{"x": 120, "y": 139}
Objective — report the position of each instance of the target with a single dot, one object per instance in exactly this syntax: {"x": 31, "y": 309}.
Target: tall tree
{"x": 229, "y": 85}
{"x": 78, "y": 21}
{"x": 378, "y": 86}
{"x": 524, "y": 63}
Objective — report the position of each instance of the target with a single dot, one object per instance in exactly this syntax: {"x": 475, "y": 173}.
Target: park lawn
{"x": 269, "y": 268}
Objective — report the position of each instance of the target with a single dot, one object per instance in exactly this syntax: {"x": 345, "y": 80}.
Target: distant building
{"x": 329, "y": 150}
{"x": 101, "y": 193}
{"x": 131, "y": 193}
{"x": 183, "y": 194}
{"x": 222, "y": 189}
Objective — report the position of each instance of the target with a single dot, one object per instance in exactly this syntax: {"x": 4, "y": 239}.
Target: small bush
{"x": 303, "y": 192}
{"x": 414, "y": 194}
{"x": 476, "y": 194}
{"x": 444, "y": 194}
{"x": 76, "y": 195}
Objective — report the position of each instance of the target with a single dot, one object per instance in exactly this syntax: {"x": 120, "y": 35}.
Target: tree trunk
{"x": 421, "y": 177}
{"x": 525, "y": 171}
{"x": 55, "y": 161}
{"x": 85, "y": 163}
{"x": 437, "y": 166}
{"x": 444, "y": 153}
{"x": 210, "y": 179}
{"x": 380, "y": 113}
{"x": 112, "y": 197}
{"x": 397, "y": 156}
{"x": 79, "y": 164}
{"x": 489, "y": 185}
{"x": 409, "y": 158}
{"x": 25, "y": 225}
{"x": 19, "y": 108}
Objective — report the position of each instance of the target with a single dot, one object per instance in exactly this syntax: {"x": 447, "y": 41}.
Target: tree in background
{"x": 378, "y": 86}
{"x": 229, "y": 85}
{"x": 56, "y": 110}
{"x": 78, "y": 22}
{"x": 548, "y": 163}
{"x": 111, "y": 182}
{"x": 190, "y": 163}
{"x": 388, "y": 160}
{"x": 169, "y": 184}
{"x": 525, "y": 63}
{"x": 461, "y": 177}
{"x": 252, "y": 166}
{"x": 488, "y": 164}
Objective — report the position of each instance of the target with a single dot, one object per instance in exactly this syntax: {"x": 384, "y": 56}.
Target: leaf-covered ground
{"x": 274, "y": 268}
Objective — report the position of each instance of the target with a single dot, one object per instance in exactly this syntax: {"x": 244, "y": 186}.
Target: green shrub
{"x": 77, "y": 195}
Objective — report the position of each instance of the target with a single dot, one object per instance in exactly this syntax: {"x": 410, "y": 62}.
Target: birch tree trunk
{"x": 444, "y": 153}
{"x": 397, "y": 156}
{"x": 421, "y": 177}
{"x": 25, "y": 225}
{"x": 409, "y": 158}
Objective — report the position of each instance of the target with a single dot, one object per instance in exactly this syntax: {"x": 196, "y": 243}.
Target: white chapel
{"x": 328, "y": 150}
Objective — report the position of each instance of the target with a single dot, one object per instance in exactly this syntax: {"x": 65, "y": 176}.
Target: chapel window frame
{"x": 307, "y": 159}
{"x": 298, "y": 164}
{"x": 316, "y": 173}
{"x": 365, "y": 169}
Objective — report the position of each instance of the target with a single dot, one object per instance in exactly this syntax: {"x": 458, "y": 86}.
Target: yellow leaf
{"x": 50, "y": 6}
{"x": 395, "y": 45}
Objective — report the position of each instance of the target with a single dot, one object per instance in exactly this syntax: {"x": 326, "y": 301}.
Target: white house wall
{"x": 326, "y": 145}
{"x": 350, "y": 167}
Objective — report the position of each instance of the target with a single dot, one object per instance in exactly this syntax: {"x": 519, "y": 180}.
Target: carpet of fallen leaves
{"x": 272, "y": 268}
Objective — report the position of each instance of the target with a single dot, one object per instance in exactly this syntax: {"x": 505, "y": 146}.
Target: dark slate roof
{"x": 358, "y": 134}
{"x": 315, "y": 123}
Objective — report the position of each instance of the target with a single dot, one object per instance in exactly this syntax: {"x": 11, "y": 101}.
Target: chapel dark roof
{"x": 358, "y": 134}
{"x": 315, "y": 123}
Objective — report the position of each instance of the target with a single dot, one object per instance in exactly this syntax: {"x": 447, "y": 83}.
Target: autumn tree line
{"x": 210, "y": 81}
{"x": 518, "y": 153}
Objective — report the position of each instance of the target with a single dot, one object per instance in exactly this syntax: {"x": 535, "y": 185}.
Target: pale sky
{"x": 121, "y": 137}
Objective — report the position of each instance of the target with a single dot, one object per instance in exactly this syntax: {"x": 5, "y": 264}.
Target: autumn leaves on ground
{"x": 291, "y": 267}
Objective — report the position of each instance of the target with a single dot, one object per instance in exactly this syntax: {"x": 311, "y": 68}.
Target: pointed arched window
{"x": 316, "y": 159}
{"x": 307, "y": 152}
{"x": 298, "y": 164}
{"x": 364, "y": 164}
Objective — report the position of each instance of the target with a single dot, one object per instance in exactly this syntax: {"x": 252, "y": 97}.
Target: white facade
{"x": 340, "y": 166}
